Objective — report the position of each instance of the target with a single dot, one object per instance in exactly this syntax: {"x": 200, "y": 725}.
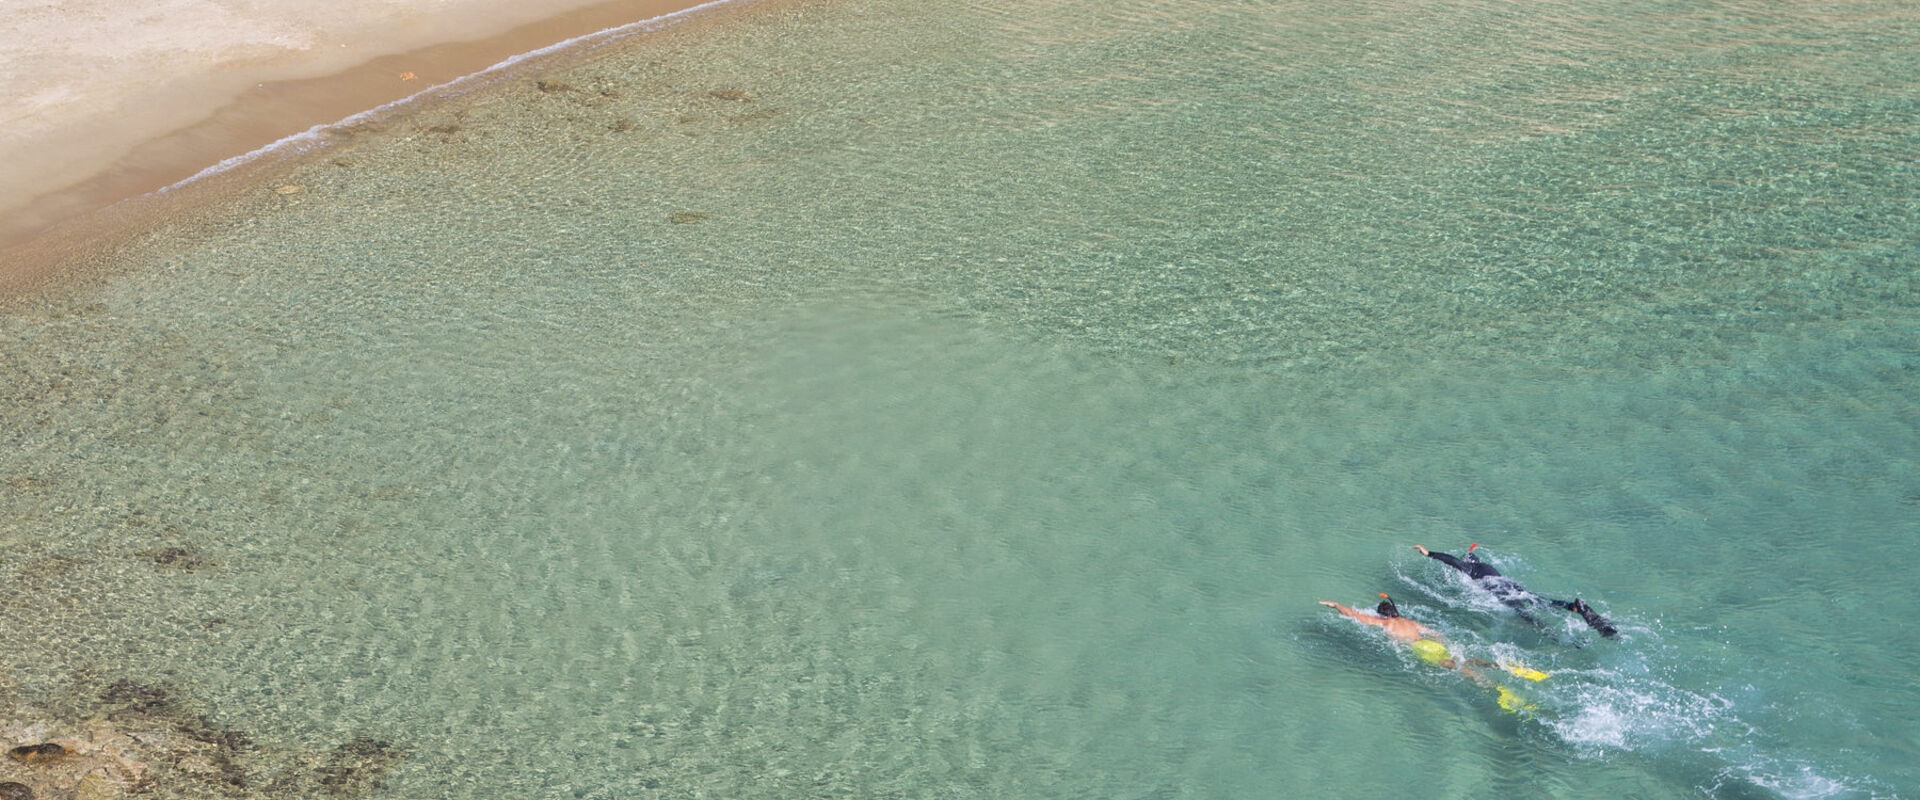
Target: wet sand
{"x": 50, "y": 230}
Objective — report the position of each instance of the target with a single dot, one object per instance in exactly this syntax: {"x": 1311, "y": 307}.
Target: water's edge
{"x": 891, "y": 398}
{"x": 44, "y": 234}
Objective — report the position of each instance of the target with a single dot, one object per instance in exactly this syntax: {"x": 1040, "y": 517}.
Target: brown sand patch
{"x": 63, "y": 223}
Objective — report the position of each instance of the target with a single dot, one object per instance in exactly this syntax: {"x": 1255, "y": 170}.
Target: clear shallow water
{"x": 885, "y": 399}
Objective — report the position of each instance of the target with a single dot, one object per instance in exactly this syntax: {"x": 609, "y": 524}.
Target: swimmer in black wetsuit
{"x": 1513, "y": 594}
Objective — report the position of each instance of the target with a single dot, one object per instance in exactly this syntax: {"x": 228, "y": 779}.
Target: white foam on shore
{"x": 88, "y": 81}
{"x": 315, "y": 135}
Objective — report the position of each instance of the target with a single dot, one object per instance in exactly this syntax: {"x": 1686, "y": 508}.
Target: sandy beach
{"x": 973, "y": 399}
{"x": 155, "y": 108}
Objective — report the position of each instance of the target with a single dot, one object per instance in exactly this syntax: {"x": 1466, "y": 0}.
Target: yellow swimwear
{"x": 1431, "y": 652}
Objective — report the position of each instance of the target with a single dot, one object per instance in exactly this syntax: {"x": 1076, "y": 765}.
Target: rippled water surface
{"x": 876, "y": 398}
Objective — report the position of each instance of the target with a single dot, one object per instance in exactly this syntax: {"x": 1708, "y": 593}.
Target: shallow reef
{"x": 124, "y": 738}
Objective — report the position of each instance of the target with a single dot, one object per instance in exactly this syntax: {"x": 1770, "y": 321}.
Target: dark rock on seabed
{"x": 356, "y": 768}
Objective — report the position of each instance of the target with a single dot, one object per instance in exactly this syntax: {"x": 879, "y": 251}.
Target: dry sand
{"x": 102, "y": 162}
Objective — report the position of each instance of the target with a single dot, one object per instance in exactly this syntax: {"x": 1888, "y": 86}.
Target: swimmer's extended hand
{"x": 1422, "y": 548}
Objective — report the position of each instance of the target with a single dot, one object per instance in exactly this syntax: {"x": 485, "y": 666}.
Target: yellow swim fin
{"x": 1513, "y": 702}
{"x": 1523, "y": 671}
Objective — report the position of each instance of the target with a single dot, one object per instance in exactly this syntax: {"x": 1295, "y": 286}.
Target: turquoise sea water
{"x": 875, "y": 398}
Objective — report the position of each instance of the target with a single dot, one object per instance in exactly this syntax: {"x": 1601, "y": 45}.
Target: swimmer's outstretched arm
{"x": 1345, "y": 611}
{"x": 1445, "y": 559}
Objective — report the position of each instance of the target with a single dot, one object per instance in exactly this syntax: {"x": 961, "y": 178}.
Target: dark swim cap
{"x": 1386, "y": 607}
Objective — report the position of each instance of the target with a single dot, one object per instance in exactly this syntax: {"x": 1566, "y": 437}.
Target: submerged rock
{"x": 138, "y": 697}
{"x": 128, "y": 739}
{"x": 43, "y": 753}
{"x": 357, "y": 767}
{"x": 179, "y": 558}
{"x": 96, "y": 767}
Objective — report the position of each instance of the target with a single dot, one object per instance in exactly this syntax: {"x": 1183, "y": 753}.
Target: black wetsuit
{"x": 1510, "y": 592}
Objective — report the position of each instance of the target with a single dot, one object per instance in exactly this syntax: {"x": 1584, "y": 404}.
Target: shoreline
{"x": 42, "y": 236}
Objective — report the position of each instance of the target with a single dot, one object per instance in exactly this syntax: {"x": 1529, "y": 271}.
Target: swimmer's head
{"x": 1386, "y": 607}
